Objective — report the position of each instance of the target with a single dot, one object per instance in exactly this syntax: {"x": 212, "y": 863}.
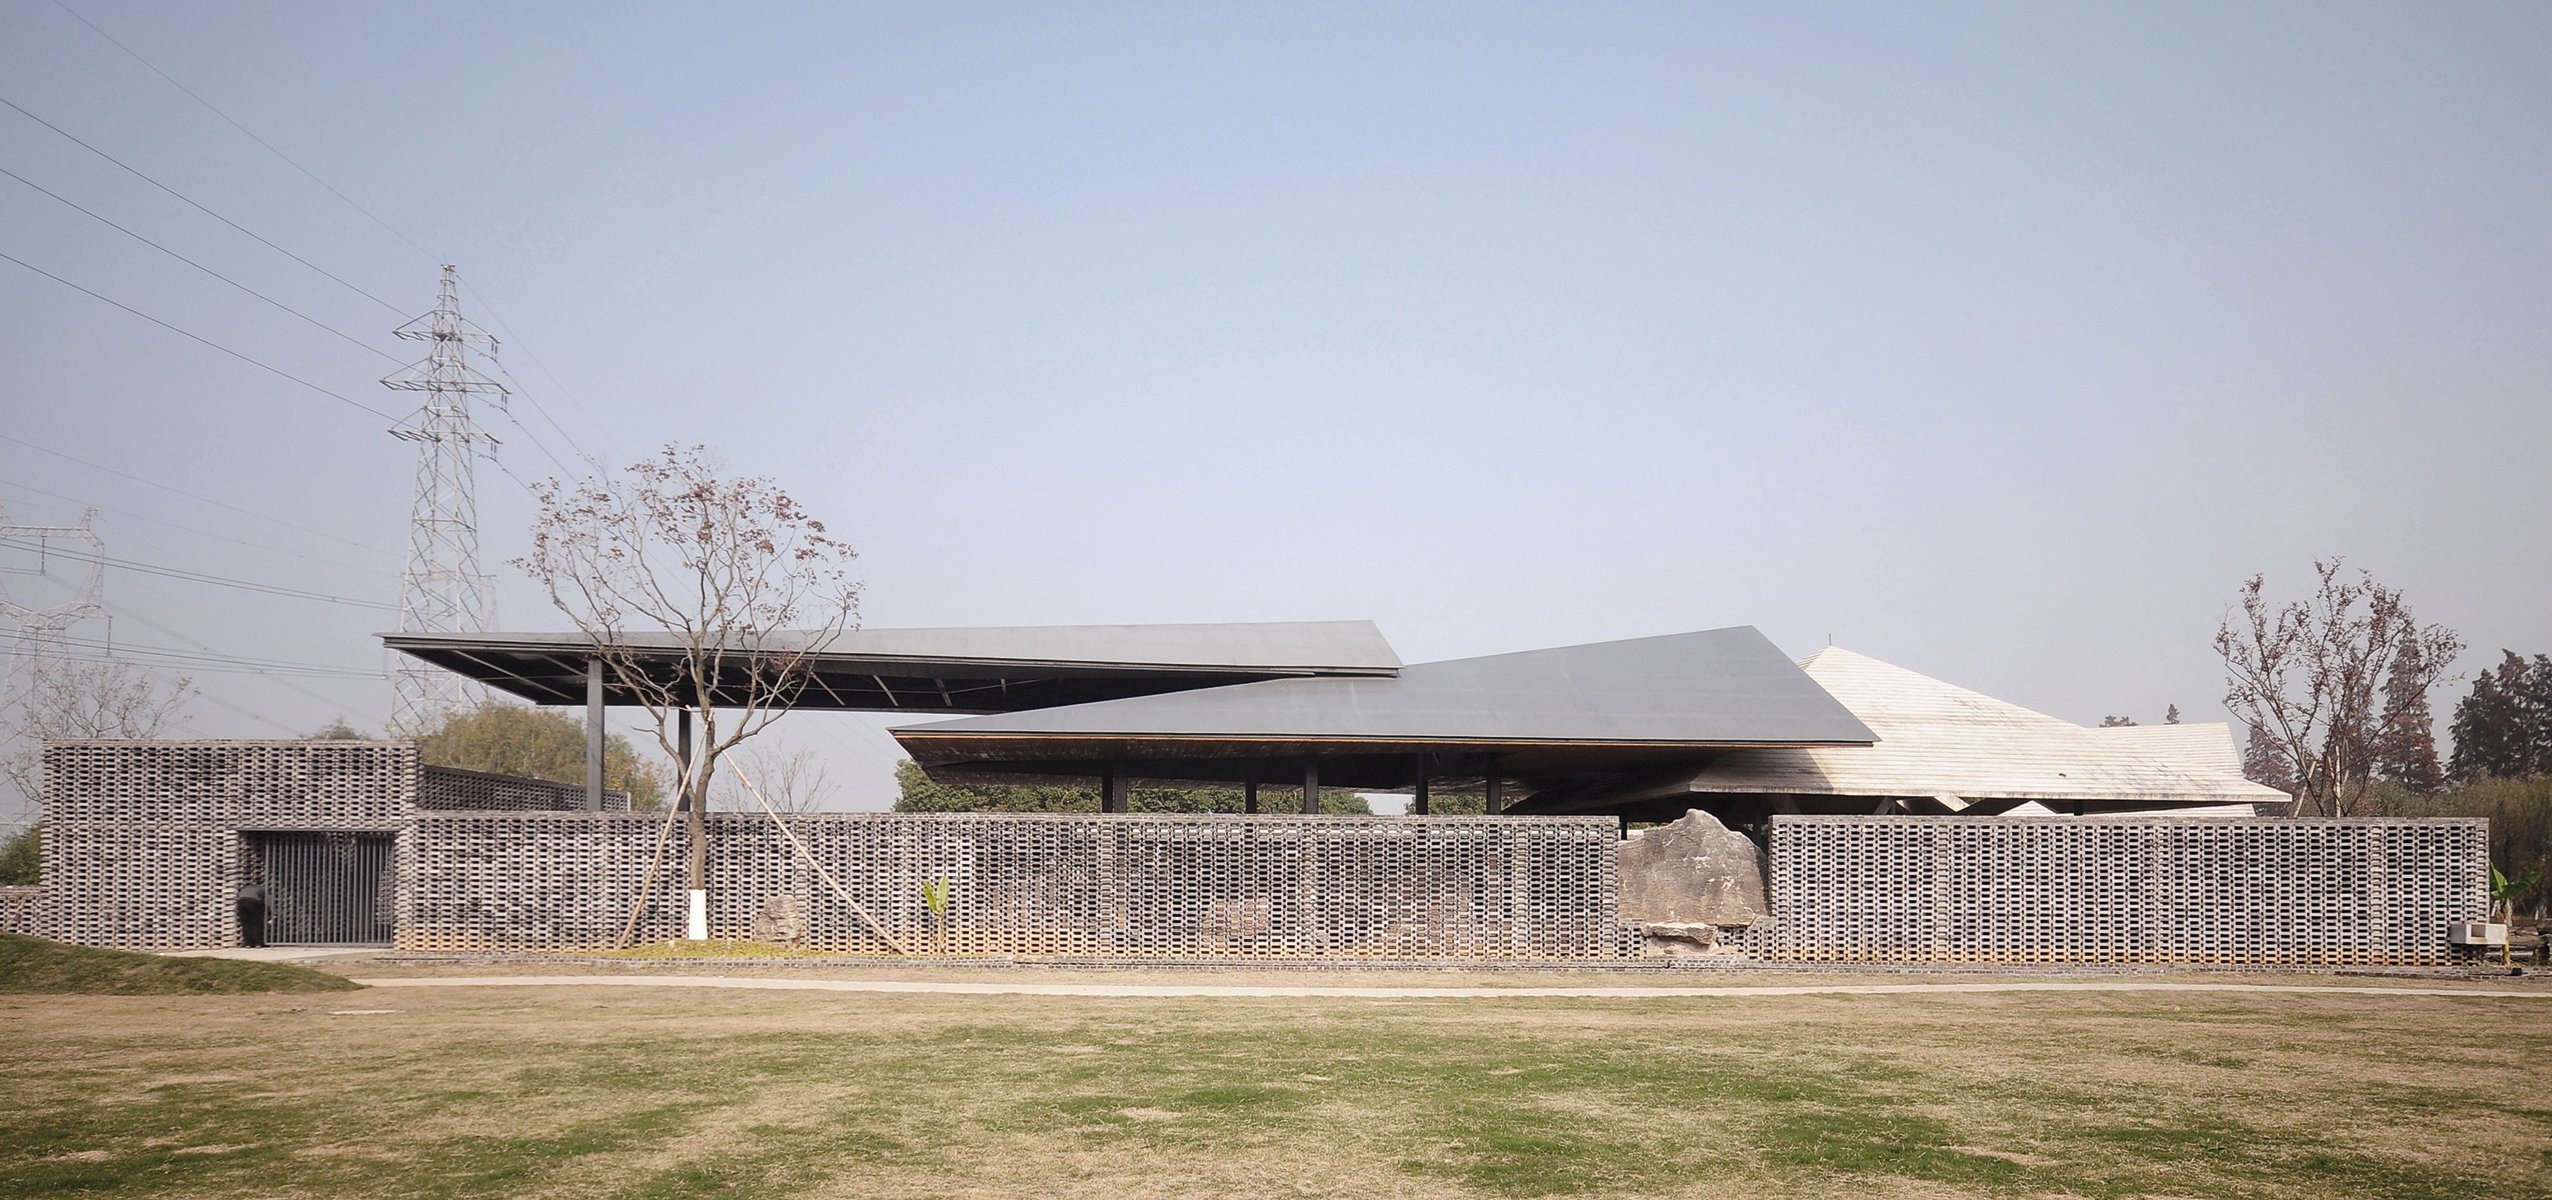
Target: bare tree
{"x": 69, "y": 699}
{"x": 2305, "y": 677}
{"x": 728, "y": 578}
{"x": 793, "y": 780}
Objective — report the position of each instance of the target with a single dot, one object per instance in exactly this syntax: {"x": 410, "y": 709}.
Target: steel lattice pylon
{"x": 442, "y": 590}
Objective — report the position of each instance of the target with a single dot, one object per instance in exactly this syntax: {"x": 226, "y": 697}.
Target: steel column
{"x": 1418, "y": 802}
{"x": 1112, "y": 789}
{"x": 1496, "y": 802}
{"x": 1311, "y": 788}
{"x": 593, "y": 735}
{"x": 682, "y": 750}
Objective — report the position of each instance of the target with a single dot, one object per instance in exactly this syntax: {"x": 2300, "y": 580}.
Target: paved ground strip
{"x": 1407, "y": 993}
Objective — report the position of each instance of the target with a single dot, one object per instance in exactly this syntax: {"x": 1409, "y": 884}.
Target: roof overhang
{"x": 940, "y": 671}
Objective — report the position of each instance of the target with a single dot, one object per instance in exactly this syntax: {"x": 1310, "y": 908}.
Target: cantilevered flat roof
{"x": 1575, "y": 708}
{"x": 978, "y": 670}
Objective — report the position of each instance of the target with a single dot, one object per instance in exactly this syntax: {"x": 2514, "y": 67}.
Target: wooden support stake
{"x": 874, "y": 925}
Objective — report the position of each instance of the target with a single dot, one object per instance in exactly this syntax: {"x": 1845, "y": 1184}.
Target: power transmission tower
{"x": 40, "y": 630}
{"x": 442, "y": 590}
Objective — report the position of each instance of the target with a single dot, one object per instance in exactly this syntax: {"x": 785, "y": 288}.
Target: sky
{"x": 2001, "y": 342}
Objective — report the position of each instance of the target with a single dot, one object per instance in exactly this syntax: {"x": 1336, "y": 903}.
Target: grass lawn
{"x": 647, "y": 1092}
{"x": 36, "y": 965}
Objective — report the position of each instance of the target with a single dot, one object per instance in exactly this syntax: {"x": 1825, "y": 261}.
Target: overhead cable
{"x": 217, "y": 580}
{"x": 252, "y": 134}
{"x": 206, "y": 533}
{"x": 314, "y": 322}
{"x": 283, "y": 681}
{"x": 350, "y": 202}
{"x": 189, "y": 664}
{"x": 4, "y": 437}
{"x": 124, "y": 652}
{"x": 272, "y": 370}
{"x": 207, "y": 655}
{"x": 138, "y": 174}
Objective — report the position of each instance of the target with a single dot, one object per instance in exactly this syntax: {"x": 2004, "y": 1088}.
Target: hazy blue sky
{"x": 1999, "y": 342}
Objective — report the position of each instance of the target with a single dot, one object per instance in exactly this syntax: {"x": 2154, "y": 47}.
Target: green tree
{"x": 2407, "y": 751}
{"x": 922, "y": 794}
{"x": 339, "y": 731}
{"x": 510, "y": 739}
{"x": 22, "y": 859}
{"x": 2520, "y": 816}
{"x": 2504, "y": 728}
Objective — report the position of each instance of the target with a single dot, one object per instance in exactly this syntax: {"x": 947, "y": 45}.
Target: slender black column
{"x": 1497, "y": 791}
{"x": 1418, "y": 802}
{"x": 1249, "y": 793}
{"x": 682, "y": 747}
{"x": 1112, "y": 789}
{"x": 1311, "y": 788}
{"x": 593, "y": 735}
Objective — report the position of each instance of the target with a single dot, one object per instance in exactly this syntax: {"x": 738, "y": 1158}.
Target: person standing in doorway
{"x": 252, "y": 912}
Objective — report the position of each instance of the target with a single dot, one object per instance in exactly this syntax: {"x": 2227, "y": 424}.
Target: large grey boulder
{"x": 1693, "y": 871}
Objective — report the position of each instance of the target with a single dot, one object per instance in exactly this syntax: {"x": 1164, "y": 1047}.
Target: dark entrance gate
{"x": 326, "y": 889}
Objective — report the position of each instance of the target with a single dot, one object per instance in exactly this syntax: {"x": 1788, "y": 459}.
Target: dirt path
{"x": 1406, "y": 993}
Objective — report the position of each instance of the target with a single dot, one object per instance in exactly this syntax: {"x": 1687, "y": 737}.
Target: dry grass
{"x": 645, "y": 1092}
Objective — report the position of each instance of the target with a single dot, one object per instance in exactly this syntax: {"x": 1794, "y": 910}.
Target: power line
{"x": 223, "y": 537}
{"x": 191, "y": 664}
{"x": 217, "y": 580}
{"x": 215, "y": 656}
{"x": 138, "y": 174}
{"x": 273, "y": 370}
{"x": 287, "y": 730}
{"x": 368, "y": 215}
{"x": 113, "y": 652}
{"x": 532, "y": 436}
{"x": 480, "y": 295}
{"x": 192, "y": 495}
{"x": 314, "y": 322}
{"x": 252, "y": 134}
{"x": 283, "y": 681}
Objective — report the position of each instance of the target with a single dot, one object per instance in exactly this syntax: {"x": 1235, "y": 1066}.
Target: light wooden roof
{"x": 1937, "y": 741}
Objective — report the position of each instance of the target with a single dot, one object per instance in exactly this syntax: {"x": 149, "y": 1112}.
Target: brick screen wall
{"x": 2122, "y": 890}
{"x": 1140, "y": 886}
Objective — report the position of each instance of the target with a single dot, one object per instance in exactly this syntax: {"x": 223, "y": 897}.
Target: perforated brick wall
{"x": 450, "y": 789}
{"x": 278, "y": 785}
{"x": 2122, "y": 890}
{"x": 1138, "y": 886}
{"x": 144, "y": 842}
{"x": 19, "y": 908}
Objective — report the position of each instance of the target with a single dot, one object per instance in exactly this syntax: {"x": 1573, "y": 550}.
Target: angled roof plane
{"x": 1943, "y": 748}
{"x": 1568, "y": 709}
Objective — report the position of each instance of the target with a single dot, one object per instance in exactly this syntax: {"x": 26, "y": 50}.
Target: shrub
{"x": 2520, "y": 813}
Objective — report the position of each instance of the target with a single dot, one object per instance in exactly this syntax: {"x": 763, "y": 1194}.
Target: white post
{"x": 697, "y": 929}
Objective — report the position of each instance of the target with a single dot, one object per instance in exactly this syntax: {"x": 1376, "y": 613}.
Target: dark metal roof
{"x": 984, "y": 670}
{"x": 1564, "y": 711}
